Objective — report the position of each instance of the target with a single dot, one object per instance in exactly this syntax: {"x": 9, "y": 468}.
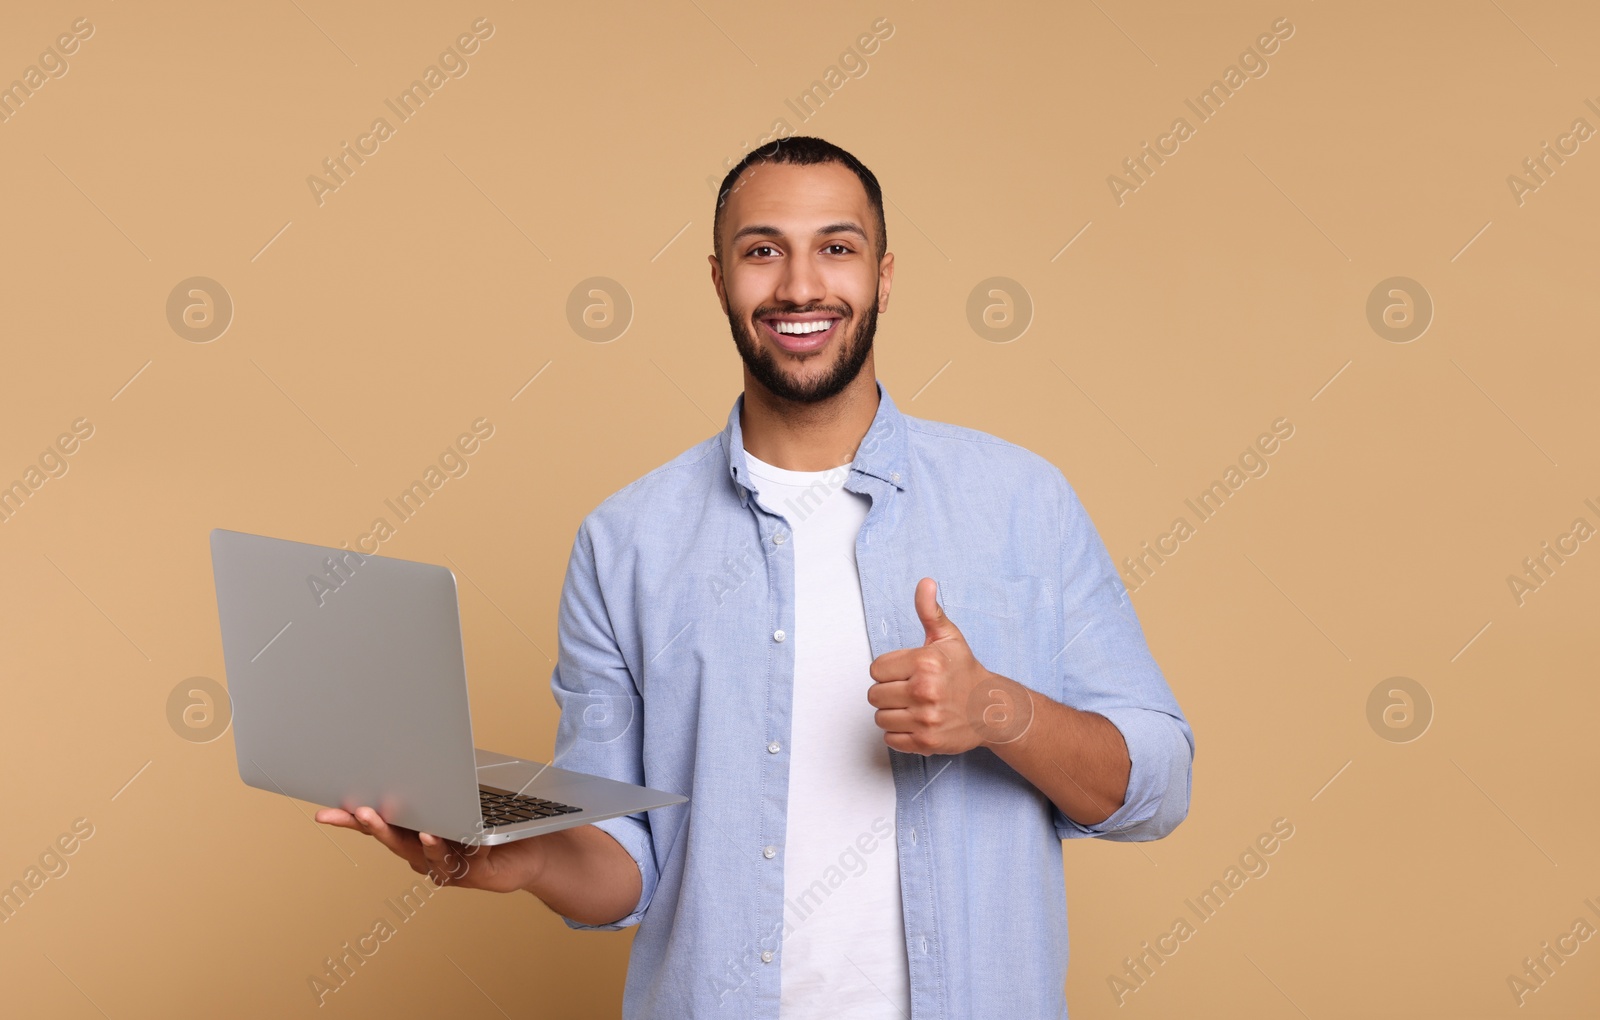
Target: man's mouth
{"x": 799, "y": 334}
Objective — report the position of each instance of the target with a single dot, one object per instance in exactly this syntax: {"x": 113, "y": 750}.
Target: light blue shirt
{"x": 674, "y": 672}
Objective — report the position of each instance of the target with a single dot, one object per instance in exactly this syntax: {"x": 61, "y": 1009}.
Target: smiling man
{"x": 878, "y": 788}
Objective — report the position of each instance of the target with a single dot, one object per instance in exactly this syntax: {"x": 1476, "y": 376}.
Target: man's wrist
{"x": 1000, "y": 710}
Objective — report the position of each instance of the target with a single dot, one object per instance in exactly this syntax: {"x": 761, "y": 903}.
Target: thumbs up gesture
{"x": 938, "y": 698}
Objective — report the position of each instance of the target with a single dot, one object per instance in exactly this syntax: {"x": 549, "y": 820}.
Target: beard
{"x": 851, "y": 354}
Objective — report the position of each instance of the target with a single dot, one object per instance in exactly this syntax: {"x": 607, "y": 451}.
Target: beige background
{"x": 1228, "y": 291}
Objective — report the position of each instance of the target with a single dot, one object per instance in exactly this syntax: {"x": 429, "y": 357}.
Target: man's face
{"x": 798, "y": 278}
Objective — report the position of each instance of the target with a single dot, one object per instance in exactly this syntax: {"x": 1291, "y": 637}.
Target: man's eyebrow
{"x": 764, "y": 230}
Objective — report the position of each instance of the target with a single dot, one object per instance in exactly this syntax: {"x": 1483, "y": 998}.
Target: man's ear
{"x": 716, "y": 282}
{"x": 885, "y": 281}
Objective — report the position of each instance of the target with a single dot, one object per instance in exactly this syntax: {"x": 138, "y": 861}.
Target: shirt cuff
{"x": 1159, "y": 779}
{"x": 633, "y": 832}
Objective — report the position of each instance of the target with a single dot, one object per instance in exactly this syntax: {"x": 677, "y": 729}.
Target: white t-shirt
{"x": 844, "y": 949}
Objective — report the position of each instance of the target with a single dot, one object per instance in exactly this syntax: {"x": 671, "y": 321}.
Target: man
{"x": 878, "y": 790}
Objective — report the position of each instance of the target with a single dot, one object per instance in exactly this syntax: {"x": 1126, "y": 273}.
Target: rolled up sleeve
{"x": 1107, "y": 669}
{"x": 602, "y": 714}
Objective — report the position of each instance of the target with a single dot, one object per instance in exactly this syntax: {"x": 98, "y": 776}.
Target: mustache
{"x": 762, "y": 313}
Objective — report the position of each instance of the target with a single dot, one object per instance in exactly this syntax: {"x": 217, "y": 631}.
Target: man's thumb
{"x": 935, "y": 624}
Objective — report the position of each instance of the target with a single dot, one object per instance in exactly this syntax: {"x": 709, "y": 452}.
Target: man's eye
{"x": 760, "y": 248}
{"x": 844, "y": 249}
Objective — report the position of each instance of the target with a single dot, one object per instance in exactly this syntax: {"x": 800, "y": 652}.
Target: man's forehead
{"x": 802, "y": 197}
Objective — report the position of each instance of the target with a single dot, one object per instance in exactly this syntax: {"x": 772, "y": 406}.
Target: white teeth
{"x": 801, "y": 328}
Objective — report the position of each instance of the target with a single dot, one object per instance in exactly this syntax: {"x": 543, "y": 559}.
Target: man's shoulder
{"x": 963, "y": 450}
{"x": 663, "y": 488}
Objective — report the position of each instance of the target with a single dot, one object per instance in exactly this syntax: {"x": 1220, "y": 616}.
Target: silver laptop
{"x": 349, "y": 687}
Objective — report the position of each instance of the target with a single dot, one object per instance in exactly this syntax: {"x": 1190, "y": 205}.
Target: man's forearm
{"x": 1077, "y": 759}
{"x": 585, "y": 874}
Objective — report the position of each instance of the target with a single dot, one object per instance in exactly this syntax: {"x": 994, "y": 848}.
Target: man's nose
{"x": 801, "y": 284}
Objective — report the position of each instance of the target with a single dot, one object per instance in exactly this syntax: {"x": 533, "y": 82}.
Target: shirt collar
{"x": 882, "y": 453}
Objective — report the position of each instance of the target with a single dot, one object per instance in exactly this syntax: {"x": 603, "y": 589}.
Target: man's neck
{"x": 808, "y": 437}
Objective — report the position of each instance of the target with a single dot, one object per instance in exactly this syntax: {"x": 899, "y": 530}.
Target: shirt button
{"x": 773, "y": 748}
{"x": 778, "y": 635}
{"x": 780, "y": 537}
{"x": 766, "y": 957}
{"x": 894, "y": 476}
{"x": 769, "y": 852}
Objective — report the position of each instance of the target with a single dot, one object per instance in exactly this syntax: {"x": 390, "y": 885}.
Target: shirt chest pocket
{"x": 1009, "y": 621}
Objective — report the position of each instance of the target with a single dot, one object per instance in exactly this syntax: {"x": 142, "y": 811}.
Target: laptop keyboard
{"x": 502, "y": 808}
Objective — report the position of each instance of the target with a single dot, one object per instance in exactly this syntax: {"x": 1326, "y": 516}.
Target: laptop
{"x": 349, "y": 687}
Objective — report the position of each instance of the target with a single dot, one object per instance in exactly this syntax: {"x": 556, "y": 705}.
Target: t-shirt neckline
{"x": 784, "y": 476}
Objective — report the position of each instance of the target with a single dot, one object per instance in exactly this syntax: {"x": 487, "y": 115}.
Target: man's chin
{"x": 804, "y": 387}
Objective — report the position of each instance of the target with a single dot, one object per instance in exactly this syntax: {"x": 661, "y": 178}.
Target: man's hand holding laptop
{"x": 579, "y": 872}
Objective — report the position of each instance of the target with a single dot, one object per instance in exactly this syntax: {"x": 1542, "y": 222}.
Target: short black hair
{"x": 802, "y": 150}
